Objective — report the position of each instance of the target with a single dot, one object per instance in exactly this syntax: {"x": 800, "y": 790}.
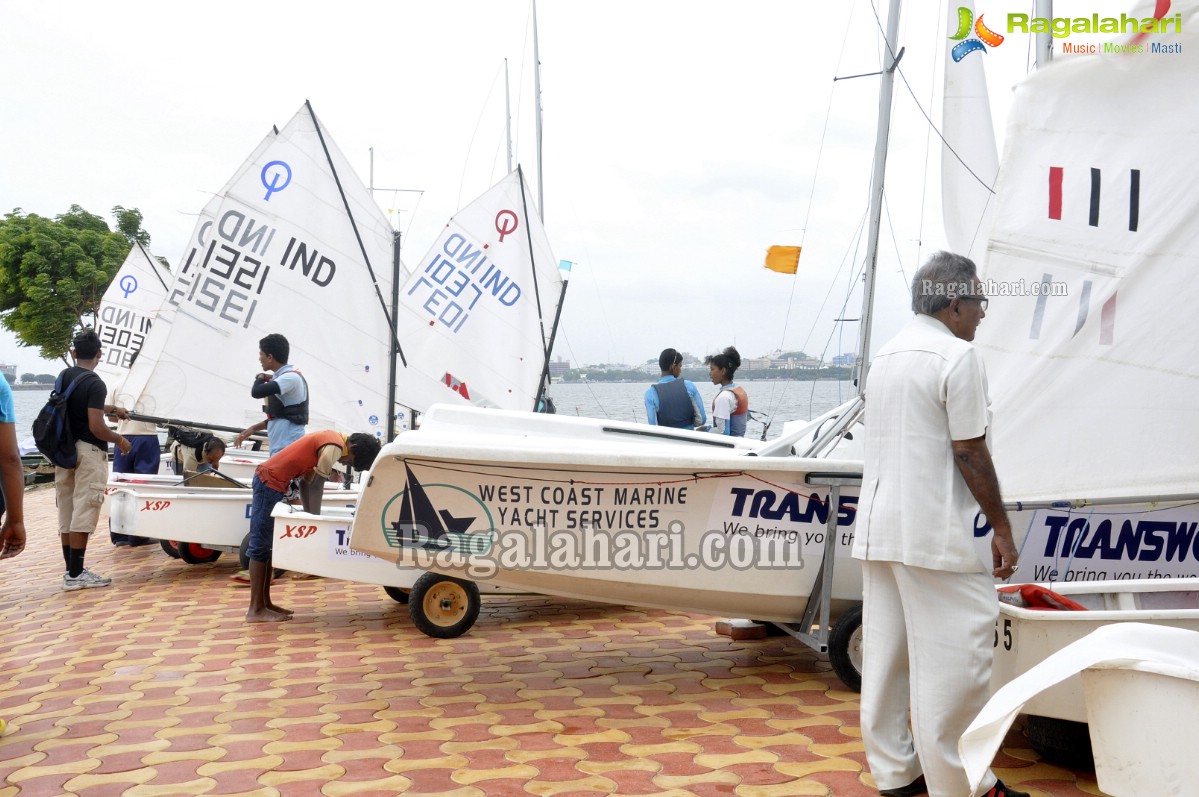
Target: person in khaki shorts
{"x": 79, "y": 491}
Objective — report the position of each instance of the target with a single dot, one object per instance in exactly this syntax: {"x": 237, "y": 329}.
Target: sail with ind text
{"x": 295, "y": 245}
{"x": 127, "y": 313}
{"x": 479, "y": 307}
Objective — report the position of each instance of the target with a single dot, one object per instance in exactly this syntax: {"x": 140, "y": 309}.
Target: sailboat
{"x": 294, "y": 243}
{"x": 755, "y": 531}
{"x": 625, "y": 513}
{"x": 126, "y": 314}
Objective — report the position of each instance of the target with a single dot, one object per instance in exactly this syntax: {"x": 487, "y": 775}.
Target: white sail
{"x": 129, "y": 394}
{"x": 296, "y": 246}
{"x": 1094, "y": 391}
{"x": 127, "y": 312}
{"x": 480, "y": 305}
{"x": 969, "y": 155}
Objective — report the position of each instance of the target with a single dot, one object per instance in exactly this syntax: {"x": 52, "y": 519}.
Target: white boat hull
{"x": 214, "y": 517}
{"x": 516, "y": 485}
{"x": 1026, "y": 637}
{"x": 319, "y": 545}
{"x": 701, "y": 529}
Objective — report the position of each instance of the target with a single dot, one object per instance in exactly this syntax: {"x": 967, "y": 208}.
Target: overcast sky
{"x": 681, "y": 139}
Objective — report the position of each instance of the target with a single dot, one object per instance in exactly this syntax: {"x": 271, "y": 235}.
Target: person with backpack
{"x": 79, "y": 491}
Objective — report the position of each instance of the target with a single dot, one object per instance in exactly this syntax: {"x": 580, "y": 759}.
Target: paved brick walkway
{"x": 155, "y": 686}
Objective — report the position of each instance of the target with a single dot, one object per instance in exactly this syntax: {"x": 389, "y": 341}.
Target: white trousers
{"x": 927, "y": 646}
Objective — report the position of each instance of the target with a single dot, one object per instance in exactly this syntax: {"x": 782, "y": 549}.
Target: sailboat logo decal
{"x": 986, "y": 36}
{"x": 416, "y": 521}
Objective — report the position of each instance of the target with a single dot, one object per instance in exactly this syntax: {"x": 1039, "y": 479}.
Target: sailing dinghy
{"x": 487, "y": 288}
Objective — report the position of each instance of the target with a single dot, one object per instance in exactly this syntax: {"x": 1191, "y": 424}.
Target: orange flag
{"x": 783, "y": 259}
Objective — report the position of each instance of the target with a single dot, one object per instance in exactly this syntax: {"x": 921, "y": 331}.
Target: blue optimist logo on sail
{"x": 275, "y": 176}
{"x": 422, "y": 517}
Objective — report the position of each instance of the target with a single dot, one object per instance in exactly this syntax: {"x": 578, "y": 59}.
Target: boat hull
{"x": 610, "y": 518}
{"x": 1026, "y": 637}
{"x": 319, "y": 545}
{"x": 214, "y": 517}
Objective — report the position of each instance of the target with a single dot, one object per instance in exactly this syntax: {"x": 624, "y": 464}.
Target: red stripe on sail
{"x": 1055, "y": 192}
{"x": 1107, "y": 322}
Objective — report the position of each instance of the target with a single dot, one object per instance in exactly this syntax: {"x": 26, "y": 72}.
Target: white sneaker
{"x": 84, "y": 580}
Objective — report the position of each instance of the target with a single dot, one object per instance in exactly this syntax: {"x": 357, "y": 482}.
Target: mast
{"x": 508, "y": 117}
{"x": 1044, "y": 41}
{"x": 392, "y": 364}
{"x": 549, "y": 348}
{"x": 877, "y": 178}
{"x": 537, "y": 105}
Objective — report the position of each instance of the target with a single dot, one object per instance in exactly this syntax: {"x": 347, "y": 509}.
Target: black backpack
{"x": 52, "y": 429}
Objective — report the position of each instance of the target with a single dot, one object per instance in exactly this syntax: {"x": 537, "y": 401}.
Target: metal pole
{"x": 508, "y": 115}
{"x": 537, "y": 102}
{"x": 876, "y": 190}
{"x": 1043, "y": 9}
{"x": 391, "y": 361}
{"x": 545, "y": 374}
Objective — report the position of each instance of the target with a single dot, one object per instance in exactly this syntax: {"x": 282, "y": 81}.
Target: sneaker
{"x": 1001, "y": 790}
{"x": 84, "y": 580}
{"x": 911, "y": 790}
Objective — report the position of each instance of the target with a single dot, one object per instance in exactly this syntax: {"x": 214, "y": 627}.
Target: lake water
{"x": 28, "y": 404}
{"x": 778, "y": 400}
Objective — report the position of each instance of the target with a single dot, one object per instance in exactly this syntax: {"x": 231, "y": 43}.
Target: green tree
{"x": 12, "y": 378}
{"x": 53, "y": 272}
{"x": 27, "y": 378}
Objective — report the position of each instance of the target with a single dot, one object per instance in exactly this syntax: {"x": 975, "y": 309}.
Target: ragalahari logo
{"x": 985, "y": 36}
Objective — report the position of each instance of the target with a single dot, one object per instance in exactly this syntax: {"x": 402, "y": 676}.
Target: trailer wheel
{"x": 444, "y": 607}
{"x": 845, "y": 648}
{"x": 171, "y": 548}
{"x": 1061, "y": 741}
{"x": 195, "y": 554}
{"x": 396, "y": 594}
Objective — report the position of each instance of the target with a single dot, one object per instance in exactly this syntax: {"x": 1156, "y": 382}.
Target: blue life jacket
{"x": 674, "y": 405}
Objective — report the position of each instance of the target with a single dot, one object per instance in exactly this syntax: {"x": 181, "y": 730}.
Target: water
{"x": 777, "y": 400}
{"x": 28, "y": 403}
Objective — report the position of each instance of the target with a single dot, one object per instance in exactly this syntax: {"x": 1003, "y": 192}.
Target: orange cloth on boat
{"x": 312, "y": 454}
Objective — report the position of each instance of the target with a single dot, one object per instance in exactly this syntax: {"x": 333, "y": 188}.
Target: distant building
{"x": 559, "y": 367}
{"x": 847, "y": 360}
{"x": 9, "y": 371}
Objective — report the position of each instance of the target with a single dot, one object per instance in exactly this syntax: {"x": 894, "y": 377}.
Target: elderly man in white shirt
{"x": 930, "y": 604}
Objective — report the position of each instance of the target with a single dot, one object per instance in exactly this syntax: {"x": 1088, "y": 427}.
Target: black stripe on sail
{"x": 1134, "y": 200}
{"x": 1094, "y": 220}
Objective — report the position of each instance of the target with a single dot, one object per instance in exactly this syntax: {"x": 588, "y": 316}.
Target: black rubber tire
{"x": 845, "y": 648}
{"x": 1061, "y": 741}
{"x": 396, "y": 594}
{"x": 243, "y": 553}
{"x": 195, "y": 554}
{"x": 171, "y": 549}
{"x": 443, "y": 607}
